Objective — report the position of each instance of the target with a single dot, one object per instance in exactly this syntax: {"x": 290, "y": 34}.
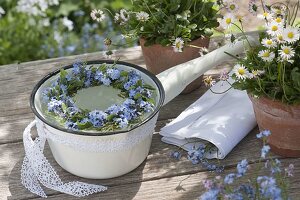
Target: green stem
{"x": 109, "y": 12}
{"x": 220, "y": 92}
{"x": 243, "y": 34}
{"x": 190, "y": 45}
{"x": 283, "y": 83}
{"x": 151, "y": 13}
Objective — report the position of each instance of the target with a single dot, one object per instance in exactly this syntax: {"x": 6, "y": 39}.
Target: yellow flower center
{"x": 255, "y": 72}
{"x": 228, "y": 20}
{"x": 280, "y": 37}
{"x": 286, "y": 51}
{"x": 266, "y": 54}
{"x": 208, "y": 80}
{"x": 290, "y": 35}
{"x": 278, "y": 20}
{"x": 269, "y": 42}
{"x": 178, "y": 46}
{"x": 241, "y": 71}
{"x": 232, "y": 7}
{"x": 274, "y": 28}
{"x": 266, "y": 14}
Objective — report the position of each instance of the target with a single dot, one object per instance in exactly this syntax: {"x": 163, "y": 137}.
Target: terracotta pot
{"x": 159, "y": 58}
{"x": 284, "y": 123}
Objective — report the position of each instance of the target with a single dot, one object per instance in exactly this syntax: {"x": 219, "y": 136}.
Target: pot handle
{"x": 175, "y": 79}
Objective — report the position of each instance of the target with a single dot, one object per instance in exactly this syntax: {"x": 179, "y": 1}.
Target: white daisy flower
{"x": 269, "y": 43}
{"x": 253, "y": 8}
{"x": 203, "y": 51}
{"x": 97, "y": 15}
{"x": 279, "y": 21}
{"x": 2, "y": 11}
{"x": 274, "y": 28}
{"x": 266, "y": 55}
{"x": 279, "y": 38}
{"x": 256, "y": 73}
{"x": 209, "y": 81}
{"x": 142, "y": 16}
{"x": 124, "y": 15}
{"x": 278, "y": 10}
{"x": 227, "y": 21}
{"x": 265, "y": 15}
{"x": 232, "y": 6}
{"x": 178, "y": 45}
{"x": 117, "y": 17}
{"x": 291, "y": 34}
{"x": 241, "y": 72}
{"x": 286, "y": 53}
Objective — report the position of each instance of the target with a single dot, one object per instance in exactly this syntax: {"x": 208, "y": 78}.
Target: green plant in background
{"x": 171, "y": 19}
{"x": 271, "y": 68}
{"x": 169, "y": 22}
{"x": 32, "y": 30}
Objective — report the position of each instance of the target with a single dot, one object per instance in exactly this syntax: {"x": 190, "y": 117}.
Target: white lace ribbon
{"x": 36, "y": 170}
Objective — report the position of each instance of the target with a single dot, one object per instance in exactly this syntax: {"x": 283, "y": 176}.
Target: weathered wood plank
{"x": 158, "y": 165}
{"x": 186, "y": 186}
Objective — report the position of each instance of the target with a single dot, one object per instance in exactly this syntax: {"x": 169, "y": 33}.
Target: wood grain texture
{"x": 181, "y": 187}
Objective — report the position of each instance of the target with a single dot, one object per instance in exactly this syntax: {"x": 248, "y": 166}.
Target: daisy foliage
{"x": 168, "y": 23}
{"x": 271, "y": 68}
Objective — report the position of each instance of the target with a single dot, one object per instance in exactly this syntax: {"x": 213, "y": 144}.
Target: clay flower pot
{"x": 159, "y": 58}
{"x": 284, "y": 123}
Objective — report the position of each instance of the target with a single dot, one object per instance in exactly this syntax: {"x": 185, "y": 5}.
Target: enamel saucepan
{"x": 107, "y": 155}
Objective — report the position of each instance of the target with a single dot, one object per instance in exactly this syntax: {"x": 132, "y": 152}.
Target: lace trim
{"x": 98, "y": 144}
{"x": 36, "y": 170}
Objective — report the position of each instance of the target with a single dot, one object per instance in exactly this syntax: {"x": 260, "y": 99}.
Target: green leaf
{"x": 66, "y": 7}
{"x": 110, "y": 117}
{"x": 64, "y": 107}
{"x": 137, "y": 96}
{"x": 82, "y": 126}
{"x": 63, "y": 74}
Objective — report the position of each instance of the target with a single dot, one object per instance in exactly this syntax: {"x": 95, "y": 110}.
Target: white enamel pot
{"x": 108, "y": 155}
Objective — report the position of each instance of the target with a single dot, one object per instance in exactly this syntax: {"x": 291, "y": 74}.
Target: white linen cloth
{"x": 222, "y": 119}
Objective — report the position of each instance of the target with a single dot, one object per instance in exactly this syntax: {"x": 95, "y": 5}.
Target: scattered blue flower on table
{"x": 176, "y": 155}
{"x": 264, "y": 133}
{"x": 138, "y": 97}
{"x": 269, "y": 188}
{"x": 229, "y": 178}
{"x": 211, "y": 194}
{"x": 290, "y": 170}
{"x": 272, "y": 187}
{"x": 197, "y": 156}
{"x": 242, "y": 168}
{"x": 264, "y": 151}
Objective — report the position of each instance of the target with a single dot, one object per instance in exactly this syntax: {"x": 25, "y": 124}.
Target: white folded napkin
{"x": 222, "y": 119}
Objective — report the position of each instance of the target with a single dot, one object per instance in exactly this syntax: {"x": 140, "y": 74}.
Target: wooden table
{"x": 158, "y": 177}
